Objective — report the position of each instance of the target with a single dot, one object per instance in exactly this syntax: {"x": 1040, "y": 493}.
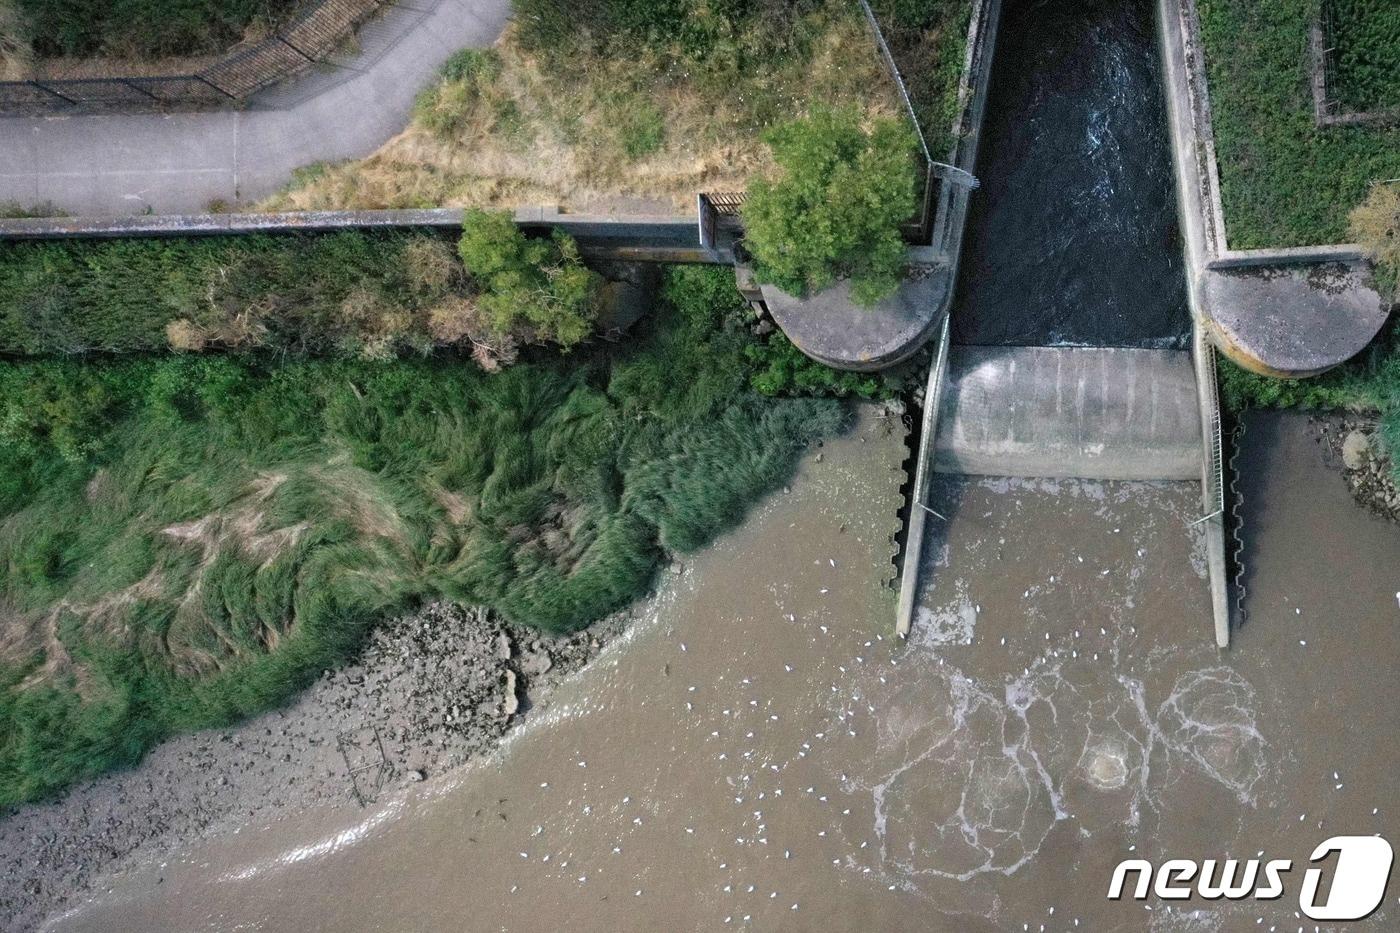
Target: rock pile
{"x": 1370, "y": 474}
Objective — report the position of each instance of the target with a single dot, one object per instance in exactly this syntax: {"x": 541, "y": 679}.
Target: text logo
{"x": 1358, "y": 879}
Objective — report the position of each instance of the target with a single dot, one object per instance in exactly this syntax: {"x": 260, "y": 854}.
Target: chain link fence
{"x": 308, "y": 39}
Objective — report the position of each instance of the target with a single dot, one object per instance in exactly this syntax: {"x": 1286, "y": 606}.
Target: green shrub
{"x": 540, "y": 287}
{"x": 1375, "y": 224}
{"x": 837, "y": 206}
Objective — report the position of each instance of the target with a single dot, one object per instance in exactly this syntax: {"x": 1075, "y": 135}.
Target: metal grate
{"x": 308, "y": 39}
{"x": 727, "y": 203}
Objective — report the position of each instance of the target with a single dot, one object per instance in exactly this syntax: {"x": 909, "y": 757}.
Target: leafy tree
{"x": 836, "y": 208}
{"x": 538, "y": 286}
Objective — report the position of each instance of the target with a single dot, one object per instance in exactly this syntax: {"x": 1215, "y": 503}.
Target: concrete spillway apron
{"x": 1095, "y": 413}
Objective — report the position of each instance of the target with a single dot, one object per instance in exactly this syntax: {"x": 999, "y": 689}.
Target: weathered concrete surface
{"x": 643, "y": 238}
{"x": 923, "y": 480}
{"x": 175, "y": 163}
{"x": 828, "y": 326}
{"x": 1092, "y": 413}
{"x": 1297, "y": 312}
{"x": 1292, "y": 321}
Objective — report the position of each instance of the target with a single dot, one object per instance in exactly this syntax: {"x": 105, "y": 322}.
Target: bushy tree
{"x": 540, "y": 287}
{"x": 836, "y": 206}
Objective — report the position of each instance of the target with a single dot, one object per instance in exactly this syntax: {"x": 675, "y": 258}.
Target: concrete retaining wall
{"x": 645, "y": 238}
{"x": 1286, "y": 256}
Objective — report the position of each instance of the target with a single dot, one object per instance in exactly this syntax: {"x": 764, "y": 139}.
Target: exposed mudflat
{"x": 755, "y": 751}
{"x": 432, "y": 689}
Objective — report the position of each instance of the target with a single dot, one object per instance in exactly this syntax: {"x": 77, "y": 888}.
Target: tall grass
{"x": 187, "y": 541}
{"x": 346, "y": 293}
{"x": 1366, "y": 34}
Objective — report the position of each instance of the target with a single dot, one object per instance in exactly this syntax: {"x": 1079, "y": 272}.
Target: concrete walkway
{"x": 1092, "y": 413}
{"x": 179, "y": 163}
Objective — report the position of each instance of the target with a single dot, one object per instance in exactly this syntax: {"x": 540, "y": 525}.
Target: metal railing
{"x": 920, "y": 227}
{"x": 1215, "y": 453}
{"x": 309, "y": 38}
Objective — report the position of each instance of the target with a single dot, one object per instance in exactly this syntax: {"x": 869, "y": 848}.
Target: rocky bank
{"x": 430, "y": 691}
{"x": 1369, "y": 472}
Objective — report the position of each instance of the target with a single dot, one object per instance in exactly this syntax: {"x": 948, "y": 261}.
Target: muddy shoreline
{"x": 435, "y": 688}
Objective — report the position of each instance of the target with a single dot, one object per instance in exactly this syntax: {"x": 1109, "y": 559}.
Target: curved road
{"x": 177, "y": 163}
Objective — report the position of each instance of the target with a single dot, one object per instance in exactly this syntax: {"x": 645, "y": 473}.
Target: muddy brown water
{"x": 759, "y": 754}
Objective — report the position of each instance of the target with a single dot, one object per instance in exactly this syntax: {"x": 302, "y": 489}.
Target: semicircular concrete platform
{"x": 831, "y": 328}
{"x": 1292, "y": 320}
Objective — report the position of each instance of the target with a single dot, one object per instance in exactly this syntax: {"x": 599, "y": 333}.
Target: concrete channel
{"x": 1087, "y": 412}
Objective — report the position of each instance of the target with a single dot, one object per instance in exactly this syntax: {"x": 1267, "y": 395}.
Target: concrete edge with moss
{"x": 1287, "y": 313}
{"x": 829, "y": 326}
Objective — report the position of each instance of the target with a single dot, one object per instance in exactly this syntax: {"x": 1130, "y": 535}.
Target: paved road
{"x": 168, "y": 163}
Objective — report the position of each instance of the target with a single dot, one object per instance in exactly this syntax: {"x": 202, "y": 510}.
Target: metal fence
{"x": 308, "y": 39}
{"x": 1328, "y": 110}
{"x": 920, "y": 227}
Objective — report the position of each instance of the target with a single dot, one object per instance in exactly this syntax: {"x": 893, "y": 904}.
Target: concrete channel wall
{"x": 1202, "y": 227}
{"x": 945, "y": 253}
{"x": 642, "y": 238}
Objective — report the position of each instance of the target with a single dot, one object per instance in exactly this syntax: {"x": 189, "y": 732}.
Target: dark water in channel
{"x": 1073, "y": 236}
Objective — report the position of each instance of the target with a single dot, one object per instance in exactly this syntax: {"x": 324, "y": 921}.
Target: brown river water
{"x": 759, "y": 753}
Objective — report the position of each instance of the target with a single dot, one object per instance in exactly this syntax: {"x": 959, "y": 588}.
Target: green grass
{"x": 724, "y": 46}
{"x": 1368, "y": 382}
{"x": 1284, "y": 182}
{"x": 185, "y": 541}
{"x": 143, "y": 28}
{"x": 928, "y": 39}
{"x": 1366, "y": 35}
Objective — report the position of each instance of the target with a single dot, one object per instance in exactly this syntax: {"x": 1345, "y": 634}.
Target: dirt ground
{"x": 435, "y": 688}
